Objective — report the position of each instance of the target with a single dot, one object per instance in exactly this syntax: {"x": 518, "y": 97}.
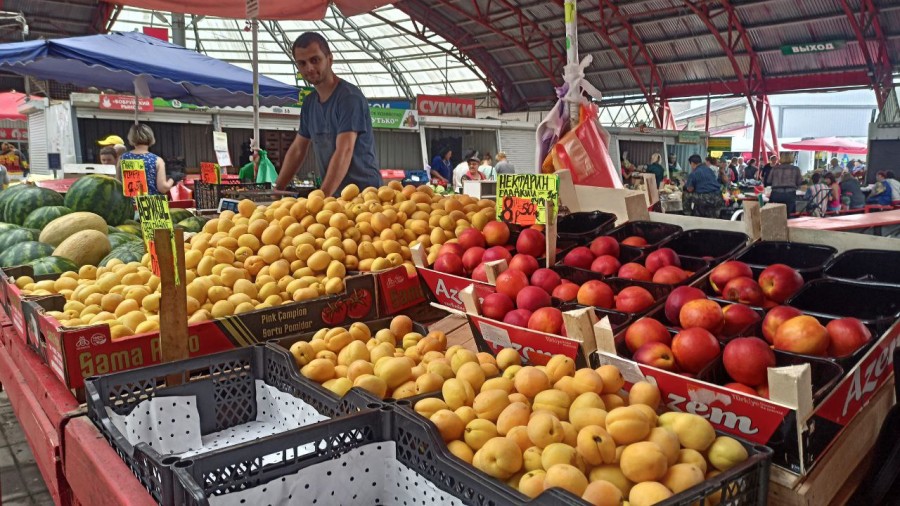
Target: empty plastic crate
{"x": 877, "y": 266}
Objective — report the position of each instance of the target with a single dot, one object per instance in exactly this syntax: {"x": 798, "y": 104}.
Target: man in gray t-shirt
{"x": 503, "y": 166}
{"x": 335, "y": 120}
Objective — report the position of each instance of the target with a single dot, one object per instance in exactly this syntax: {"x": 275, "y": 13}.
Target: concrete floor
{"x": 21, "y": 483}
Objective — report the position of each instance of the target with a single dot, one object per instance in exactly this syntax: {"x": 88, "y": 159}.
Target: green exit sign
{"x": 812, "y": 47}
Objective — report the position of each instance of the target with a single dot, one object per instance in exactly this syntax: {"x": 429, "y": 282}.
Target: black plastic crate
{"x": 418, "y": 448}
{"x": 876, "y": 305}
{"x": 654, "y": 233}
{"x": 584, "y": 226}
{"x": 224, "y": 384}
{"x": 825, "y": 374}
{"x": 208, "y": 195}
{"x": 713, "y": 245}
{"x": 283, "y": 345}
{"x": 808, "y": 259}
{"x": 876, "y": 266}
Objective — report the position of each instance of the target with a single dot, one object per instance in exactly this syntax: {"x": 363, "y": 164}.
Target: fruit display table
{"x": 877, "y": 222}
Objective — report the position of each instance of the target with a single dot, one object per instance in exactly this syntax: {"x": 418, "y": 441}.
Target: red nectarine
{"x": 531, "y": 242}
{"x": 605, "y": 245}
{"x": 725, "y": 272}
{"x": 694, "y": 349}
{"x": 511, "y": 282}
{"x": 802, "y": 334}
{"x": 532, "y": 298}
{"x": 496, "y": 233}
{"x": 779, "y": 282}
{"x": 634, "y": 299}
{"x": 496, "y": 306}
{"x": 748, "y": 359}
{"x": 679, "y": 297}
{"x": 644, "y": 331}
{"x": 702, "y": 313}
{"x": 596, "y": 293}
{"x": 546, "y": 319}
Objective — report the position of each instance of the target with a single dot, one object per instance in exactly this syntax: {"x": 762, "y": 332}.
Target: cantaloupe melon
{"x": 86, "y": 247}
{"x": 63, "y": 227}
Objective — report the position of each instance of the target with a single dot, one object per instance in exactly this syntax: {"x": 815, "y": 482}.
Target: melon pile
{"x": 264, "y": 256}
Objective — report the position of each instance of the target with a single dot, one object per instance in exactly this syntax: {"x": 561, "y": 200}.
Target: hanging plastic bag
{"x": 266, "y": 172}
{"x": 554, "y": 125}
{"x": 181, "y": 192}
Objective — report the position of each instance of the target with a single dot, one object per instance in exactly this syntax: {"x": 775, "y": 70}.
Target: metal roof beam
{"x": 508, "y": 92}
{"x": 342, "y": 24}
{"x": 879, "y": 64}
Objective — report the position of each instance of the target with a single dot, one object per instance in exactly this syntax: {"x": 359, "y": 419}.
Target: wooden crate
{"x": 839, "y": 472}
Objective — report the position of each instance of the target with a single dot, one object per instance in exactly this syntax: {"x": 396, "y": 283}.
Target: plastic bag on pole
{"x": 554, "y": 125}
{"x": 266, "y": 172}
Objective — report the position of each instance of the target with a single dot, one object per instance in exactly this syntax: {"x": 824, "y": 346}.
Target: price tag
{"x": 495, "y": 335}
{"x": 134, "y": 178}
{"x": 522, "y": 198}
{"x": 210, "y": 173}
{"x": 154, "y": 213}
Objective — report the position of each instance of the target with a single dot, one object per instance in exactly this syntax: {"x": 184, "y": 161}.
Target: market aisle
{"x": 20, "y": 480}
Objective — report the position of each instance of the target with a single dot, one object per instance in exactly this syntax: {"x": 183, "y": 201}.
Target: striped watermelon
{"x": 52, "y": 265}
{"x": 112, "y": 230}
{"x": 24, "y": 202}
{"x": 120, "y": 238}
{"x": 40, "y": 217}
{"x": 128, "y": 252}
{"x": 134, "y": 230}
{"x": 100, "y": 195}
{"x": 25, "y": 252}
{"x": 7, "y": 195}
{"x": 179, "y": 214}
{"x": 10, "y": 238}
{"x": 8, "y": 226}
{"x": 192, "y": 224}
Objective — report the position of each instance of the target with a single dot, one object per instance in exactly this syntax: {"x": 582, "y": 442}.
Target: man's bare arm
{"x": 340, "y": 162}
{"x": 293, "y": 159}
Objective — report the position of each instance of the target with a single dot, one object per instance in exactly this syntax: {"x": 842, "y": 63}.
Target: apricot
{"x": 457, "y": 392}
{"x": 461, "y": 450}
{"x": 530, "y": 381}
{"x": 490, "y": 403}
{"x": 567, "y": 477}
{"x": 648, "y": 412}
{"x": 613, "y": 474}
{"x": 668, "y": 443}
{"x": 557, "y": 453}
{"x": 532, "y": 458}
{"x": 499, "y": 457}
{"x": 513, "y": 415}
{"x": 449, "y": 424}
{"x": 428, "y": 382}
{"x": 726, "y": 452}
{"x": 394, "y": 371}
{"x": 428, "y": 406}
{"x": 587, "y": 380}
{"x": 498, "y": 383}
{"x": 613, "y": 401}
{"x": 602, "y": 493}
{"x": 319, "y": 370}
{"x": 694, "y": 431}
{"x": 472, "y": 373}
{"x": 519, "y": 435}
{"x": 372, "y": 383}
{"x": 688, "y": 456}
{"x": 478, "y": 432}
{"x": 507, "y": 357}
{"x": 681, "y": 477}
{"x": 648, "y": 493}
{"x": 583, "y": 417}
{"x": 532, "y": 483}
{"x": 644, "y": 392}
{"x": 596, "y": 446}
{"x": 643, "y": 461}
{"x": 627, "y": 425}
{"x": 555, "y": 401}
{"x": 570, "y": 434}
{"x": 544, "y": 429}
{"x": 559, "y": 366}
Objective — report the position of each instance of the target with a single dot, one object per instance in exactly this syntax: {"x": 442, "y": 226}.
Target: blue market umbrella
{"x": 125, "y": 61}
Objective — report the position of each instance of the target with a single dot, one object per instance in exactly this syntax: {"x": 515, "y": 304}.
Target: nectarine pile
{"x": 734, "y": 281}
{"x": 396, "y": 362}
{"x": 662, "y": 266}
{"x": 554, "y": 426}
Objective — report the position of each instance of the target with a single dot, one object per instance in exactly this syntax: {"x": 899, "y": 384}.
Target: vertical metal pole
{"x": 707, "y": 113}
{"x": 178, "y": 30}
{"x": 255, "y": 31}
{"x": 571, "y": 13}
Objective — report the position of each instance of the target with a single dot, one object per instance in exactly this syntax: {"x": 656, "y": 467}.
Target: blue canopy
{"x": 115, "y": 60}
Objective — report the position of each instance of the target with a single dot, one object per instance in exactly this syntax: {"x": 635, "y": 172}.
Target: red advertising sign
{"x": 399, "y": 290}
{"x": 14, "y": 134}
{"x": 210, "y": 173}
{"x": 431, "y": 105}
{"x": 125, "y": 103}
{"x": 535, "y": 347}
{"x": 446, "y": 288}
{"x": 134, "y": 178}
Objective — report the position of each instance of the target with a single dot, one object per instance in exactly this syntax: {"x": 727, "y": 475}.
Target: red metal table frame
{"x": 76, "y": 462}
{"x": 849, "y": 221}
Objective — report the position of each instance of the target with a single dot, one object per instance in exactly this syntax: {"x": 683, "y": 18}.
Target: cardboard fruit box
{"x": 806, "y": 411}
{"x": 77, "y": 353}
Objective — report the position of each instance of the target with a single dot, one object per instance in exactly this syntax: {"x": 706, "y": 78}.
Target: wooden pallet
{"x": 839, "y": 472}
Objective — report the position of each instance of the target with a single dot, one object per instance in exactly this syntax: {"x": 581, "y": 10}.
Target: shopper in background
{"x": 835, "y": 167}
{"x": 141, "y": 137}
{"x": 786, "y": 179}
{"x": 441, "y": 171}
{"x": 852, "y": 196}
{"x": 673, "y": 166}
{"x": 817, "y": 196}
{"x": 881, "y": 195}
{"x": 702, "y": 192}
{"x": 463, "y": 167}
{"x": 115, "y": 142}
{"x": 335, "y": 121}
{"x": 894, "y": 184}
{"x": 472, "y": 170}
{"x": 767, "y": 170}
{"x": 834, "y": 198}
{"x": 750, "y": 171}
{"x": 503, "y": 165}
{"x": 486, "y": 169}
{"x": 108, "y": 155}
{"x": 656, "y": 168}
{"x": 740, "y": 166}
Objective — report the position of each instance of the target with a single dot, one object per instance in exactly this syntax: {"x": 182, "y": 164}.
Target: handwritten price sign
{"x": 154, "y": 213}
{"x": 522, "y": 198}
{"x": 210, "y": 172}
{"x": 134, "y": 178}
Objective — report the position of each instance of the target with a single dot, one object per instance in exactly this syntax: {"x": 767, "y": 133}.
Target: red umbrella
{"x": 9, "y": 105}
{"x": 830, "y": 144}
{"x": 268, "y": 9}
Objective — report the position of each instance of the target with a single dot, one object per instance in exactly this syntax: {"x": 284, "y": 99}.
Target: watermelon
{"x": 192, "y": 224}
{"x": 132, "y": 222}
{"x": 112, "y": 230}
{"x": 100, "y": 195}
{"x": 40, "y": 217}
{"x": 128, "y": 252}
{"x": 25, "y": 252}
{"x": 24, "y": 202}
{"x": 131, "y": 229}
{"x": 10, "y": 238}
{"x": 179, "y": 214}
{"x": 119, "y": 238}
{"x": 52, "y": 265}
{"x": 7, "y": 195}
{"x": 8, "y": 226}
